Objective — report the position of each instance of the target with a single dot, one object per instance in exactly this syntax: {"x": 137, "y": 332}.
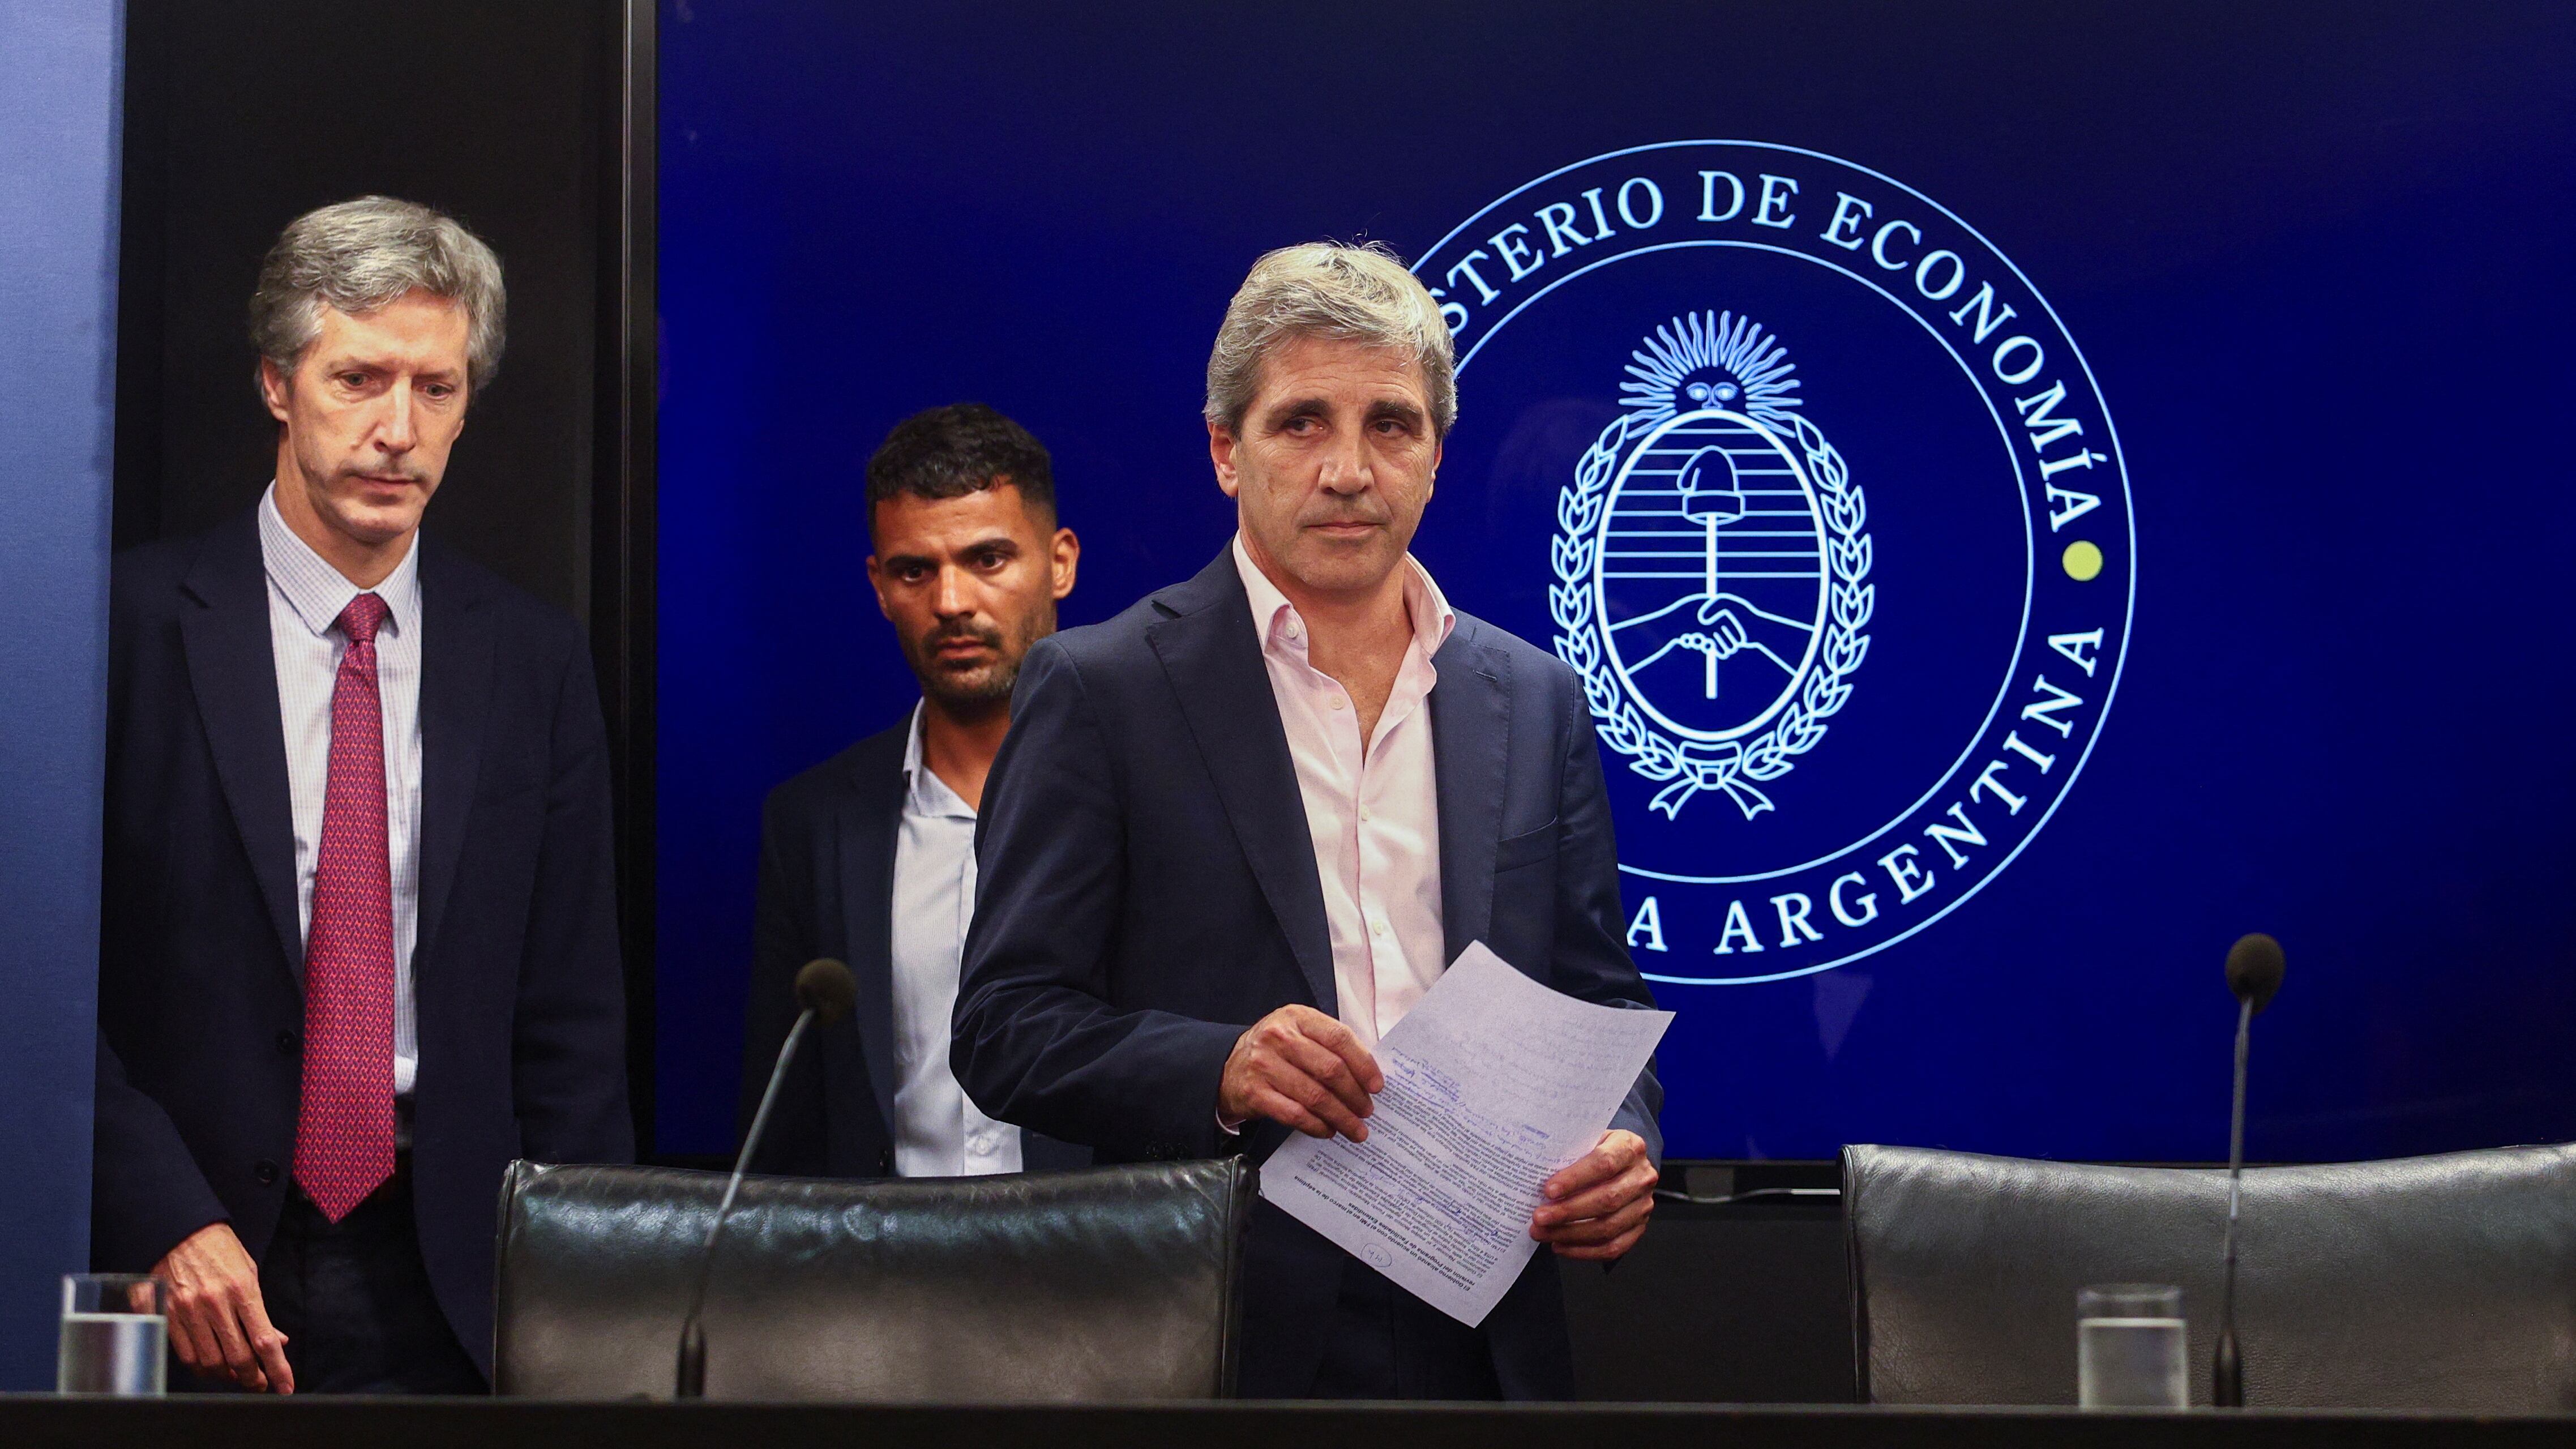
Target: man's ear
{"x": 1221, "y": 445}
{"x": 1064, "y": 558}
{"x": 272, "y": 389}
{"x": 876, "y": 586}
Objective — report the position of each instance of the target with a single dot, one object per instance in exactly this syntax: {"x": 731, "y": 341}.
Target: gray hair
{"x": 357, "y": 256}
{"x": 1328, "y": 289}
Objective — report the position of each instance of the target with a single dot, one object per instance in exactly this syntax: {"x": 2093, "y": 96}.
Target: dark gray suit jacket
{"x": 827, "y": 845}
{"x": 1148, "y": 890}
{"x": 516, "y": 972}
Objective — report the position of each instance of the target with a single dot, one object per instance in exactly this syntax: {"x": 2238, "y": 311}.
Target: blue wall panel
{"x": 2314, "y": 257}
{"x": 59, "y": 102}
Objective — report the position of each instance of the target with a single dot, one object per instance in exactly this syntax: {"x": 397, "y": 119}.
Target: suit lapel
{"x": 1471, "y": 737}
{"x": 1213, "y": 658}
{"x": 455, "y": 699}
{"x": 232, "y": 672}
{"x": 871, "y": 820}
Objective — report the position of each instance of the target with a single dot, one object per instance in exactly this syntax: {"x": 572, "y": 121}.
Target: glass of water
{"x": 2130, "y": 1347}
{"x": 116, "y": 1334}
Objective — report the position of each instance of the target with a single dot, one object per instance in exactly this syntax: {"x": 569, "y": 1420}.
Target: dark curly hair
{"x": 949, "y": 452}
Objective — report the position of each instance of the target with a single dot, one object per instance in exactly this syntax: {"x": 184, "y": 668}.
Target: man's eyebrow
{"x": 1296, "y": 407}
{"x": 366, "y": 362}
{"x": 1393, "y": 408}
{"x": 994, "y": 543}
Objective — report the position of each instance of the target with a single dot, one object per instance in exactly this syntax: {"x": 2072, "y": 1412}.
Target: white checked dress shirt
{"x": 938, "y": 1132}
{"x": 1374, "y": 811}
{"x": 305, "y": 598}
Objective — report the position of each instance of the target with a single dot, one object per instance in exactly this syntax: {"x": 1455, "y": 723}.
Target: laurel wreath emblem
{"x": 1730, "y": 767}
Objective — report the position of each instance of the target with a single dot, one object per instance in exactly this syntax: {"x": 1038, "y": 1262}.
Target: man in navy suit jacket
{"x": 1238, "y": 830}
{"x": 318, "y": 714}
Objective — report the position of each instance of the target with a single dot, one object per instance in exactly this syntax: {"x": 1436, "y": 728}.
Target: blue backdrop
{"x": 2306, "y": 286}
{"x": 59, "y": 77}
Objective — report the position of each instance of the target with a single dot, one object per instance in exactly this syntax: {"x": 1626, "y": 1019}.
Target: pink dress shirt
{"x": 1375, "y": 811}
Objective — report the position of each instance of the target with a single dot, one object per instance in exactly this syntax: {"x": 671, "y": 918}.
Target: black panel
{"x": 1738, "y": 1294}
{"x": 621, "y": 555}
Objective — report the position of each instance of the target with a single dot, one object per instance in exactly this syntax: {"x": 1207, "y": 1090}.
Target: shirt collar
{"x": 924, "y": 792}
{"x": 317, "y": 592}
{"x": 1425, "y": 607}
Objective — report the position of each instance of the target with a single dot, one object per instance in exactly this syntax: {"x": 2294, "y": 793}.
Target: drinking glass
{"x": 2130, "y": 1347}
{"x": 115, "y": 1335}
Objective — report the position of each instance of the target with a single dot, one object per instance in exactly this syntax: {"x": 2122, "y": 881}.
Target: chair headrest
{"x": 1110, "y": 1283}
{"x": 2444, "y": 1282}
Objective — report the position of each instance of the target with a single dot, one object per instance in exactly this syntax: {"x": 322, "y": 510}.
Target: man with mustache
{"x": 870, "y": 856}
{"x": 1238, "y": 831}
{"x": 359, "y": 945}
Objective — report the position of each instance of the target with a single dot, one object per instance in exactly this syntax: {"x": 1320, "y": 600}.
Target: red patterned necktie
{"x": 344, "y": 1136}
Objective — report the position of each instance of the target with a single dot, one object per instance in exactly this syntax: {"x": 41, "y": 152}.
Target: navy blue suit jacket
{"x": 521, "y": 1007}
{"x": 827, "y": 846}
{"x": 1149, "y": 890}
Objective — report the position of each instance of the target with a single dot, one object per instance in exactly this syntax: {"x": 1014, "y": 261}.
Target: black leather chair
{"x": 1111, "y": 1283}
{"x": 2422, "y": 1283}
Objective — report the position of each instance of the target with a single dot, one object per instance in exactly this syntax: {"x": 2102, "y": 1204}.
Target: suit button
{"x": 265, "y": 1171}
{"x": 288, "y": 1042}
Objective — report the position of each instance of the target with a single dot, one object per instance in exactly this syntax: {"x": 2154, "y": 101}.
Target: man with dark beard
{"x": 870, "y": 856}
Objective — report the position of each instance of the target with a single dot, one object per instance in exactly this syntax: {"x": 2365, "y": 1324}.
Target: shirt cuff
{"x": 1230, "y": 1129}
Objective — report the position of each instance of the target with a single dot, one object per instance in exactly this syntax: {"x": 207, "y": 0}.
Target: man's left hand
{"x": 1596, "y": 1208}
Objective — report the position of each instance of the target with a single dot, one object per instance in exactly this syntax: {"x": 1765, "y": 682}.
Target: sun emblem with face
{"x": 1704, "y": 360}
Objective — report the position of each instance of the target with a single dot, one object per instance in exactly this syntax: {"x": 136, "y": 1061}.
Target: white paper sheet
{"x": 1493, "y": 1082}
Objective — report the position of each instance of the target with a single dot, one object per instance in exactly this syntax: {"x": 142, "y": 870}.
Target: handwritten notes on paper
{"x": 1493, "y": 1083}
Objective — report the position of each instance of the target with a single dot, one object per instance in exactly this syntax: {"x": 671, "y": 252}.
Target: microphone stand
{"x": 2227, "y": 1388}
{"x": 692, "y": 1382}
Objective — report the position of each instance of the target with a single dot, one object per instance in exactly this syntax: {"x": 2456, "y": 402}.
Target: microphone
{"x": 826, "y": 992}
{"x": 2254, "y": 966}
{"x": 824, "y": 987}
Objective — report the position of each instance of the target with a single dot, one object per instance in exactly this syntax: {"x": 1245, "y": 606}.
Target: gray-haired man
{"x": 359, "y": 946}
{"x": 1239, "y": 830}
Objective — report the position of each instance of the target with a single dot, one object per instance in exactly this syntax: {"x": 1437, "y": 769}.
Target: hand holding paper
{"x": 1597, "y": 1208}
{"x": 1303, "y": 1070}
{"x": 1493, "y": 1086}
